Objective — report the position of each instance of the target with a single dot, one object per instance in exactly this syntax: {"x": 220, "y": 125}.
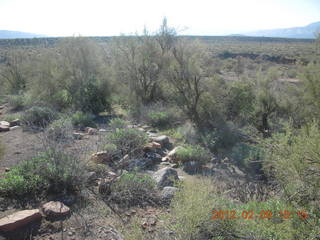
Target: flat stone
{"x": 78, "y": 136}
{"x": 5, "y": 123}
{"x": 163, "y": 140}
{"x": 19, "y": 219}
{"x": 55, "y": 209}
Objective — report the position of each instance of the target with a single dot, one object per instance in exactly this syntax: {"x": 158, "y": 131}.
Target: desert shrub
{"x": 81, "y": 120}
{"x": 60, "y": 130}
{"x": 48, "y": 172}
{"x": 17, "y": 102}
{"x": 190, "y": 212}
{"x": 118, "y": 123}
{"x": 193, "y": 157}
{"x": 127, "y": 139}
{"x": 158, "y": 119}
{"x": 134, "y": 189}
{"x": 248, "y": 156}
{"x": 240, "y": 101}
{"x": 221, "y": 139}
{"x": 292, "y": 158}
{"x": 38, "y": 116}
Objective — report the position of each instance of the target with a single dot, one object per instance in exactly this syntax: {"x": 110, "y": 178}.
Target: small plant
{"x": 158, "y": 119}
{"x": 60, "y": 129}
{"x": 118, "y": 123}
{"x": 127, "y": 139}
{"x": 193, "y": 153}
{"x": 134, "y": 189}
{"x": 49, "y": 172}
{"x": 82, "y": 120}
{"x": 38, "y": 116}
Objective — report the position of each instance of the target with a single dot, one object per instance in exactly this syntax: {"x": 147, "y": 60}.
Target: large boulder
{"x": 55, "y": 209}
{"x": 168, "y": 193}
{"x": 19, "y": 219}
{"x": 165, "y": 177}
{"x": 163, "y": 140}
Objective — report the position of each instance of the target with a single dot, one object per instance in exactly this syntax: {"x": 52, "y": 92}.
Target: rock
{"x": 102, "y": 130}
{"x": 165, "y": 164}
{"x": 168, "y": 192}
{"x": 91, "y": 131}
{"x": 5, "y": 123}
{"x": 14, "y": 128}
{"x": 163, "y": 140}
{"x": 55, "y": 209}
{"x": 165, "y": 177}
{"x": 19, "y": 219}
{"x": 101, "y": 157}
{"x": 15, "y": 122}
{"x": 149, "y": 147}
{"x": 4, "y": 128}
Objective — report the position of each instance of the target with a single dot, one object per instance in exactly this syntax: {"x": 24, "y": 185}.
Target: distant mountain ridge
{"x": 308, "y": 31}
{"x": 6, "y": 34}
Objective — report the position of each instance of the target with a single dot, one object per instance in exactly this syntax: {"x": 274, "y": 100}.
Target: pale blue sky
{"x": 113, "y": 17}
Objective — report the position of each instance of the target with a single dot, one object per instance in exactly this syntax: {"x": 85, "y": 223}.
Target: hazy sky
{"x": 113, "y": 17}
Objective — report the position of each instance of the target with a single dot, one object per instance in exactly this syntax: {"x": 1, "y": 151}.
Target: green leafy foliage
{"x": 82, "y": 120}
{"x": 118, "y": 123}
{"x": 127, "y": 139}
{"x": 48, "y": 172}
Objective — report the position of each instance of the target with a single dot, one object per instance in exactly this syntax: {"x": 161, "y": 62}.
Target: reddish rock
{"x": 101, "y": 157}
{"x": 149, "y": 147}
{"x": 55, "y": 209}
{"x": 91, "y": 131}
{"x": 19, "y": 219}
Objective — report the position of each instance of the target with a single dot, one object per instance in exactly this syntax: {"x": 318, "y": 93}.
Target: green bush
{"x": 193, "y": 157}
{"x": 82, "y": 120}
{"x": 134, "y": 189}
{"x": 48, "y": 172}
{"x": 193, "y": 153}
{"x": 17, "y": 102}
{"x": 293, "y": 159}
{"x": 158, "y": 119}
{"x": 127, "y": 139}
{"x": 117, "y": 123}
{"x": 60, "y": 130}
{"x": 38, "y": 116}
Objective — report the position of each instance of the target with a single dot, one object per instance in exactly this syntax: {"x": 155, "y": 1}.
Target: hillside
{"x": 308, "y": 31}
{"x": 5, "y": 34}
